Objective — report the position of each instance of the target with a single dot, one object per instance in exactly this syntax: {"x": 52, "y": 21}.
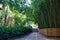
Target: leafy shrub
{"x": 27, "y": 29}
{"x": 10, "y": 31}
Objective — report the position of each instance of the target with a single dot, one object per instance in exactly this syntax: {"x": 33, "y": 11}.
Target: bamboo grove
{"x": 46, "y": 13}
{"x": 49, "y": 14}
{"x": 43, "y": 12}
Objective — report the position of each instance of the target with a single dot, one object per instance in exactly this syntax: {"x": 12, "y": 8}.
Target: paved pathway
{"x": 33, "y": 36}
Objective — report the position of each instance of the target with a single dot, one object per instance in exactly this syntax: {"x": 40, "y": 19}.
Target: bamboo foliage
{"x": 47, "y": 14}
{"x": 50, "y": 14}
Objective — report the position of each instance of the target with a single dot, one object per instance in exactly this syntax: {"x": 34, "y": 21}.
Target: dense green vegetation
{"x": 12, "y": 20}
{"x": 11, "y": 31}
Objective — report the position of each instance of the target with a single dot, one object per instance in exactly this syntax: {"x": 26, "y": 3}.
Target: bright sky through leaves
{"x": 28, "y": 2}
{"x": 1, "y": 5}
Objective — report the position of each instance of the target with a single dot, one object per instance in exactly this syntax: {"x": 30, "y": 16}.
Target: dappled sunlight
{"x": 34, "y": 26}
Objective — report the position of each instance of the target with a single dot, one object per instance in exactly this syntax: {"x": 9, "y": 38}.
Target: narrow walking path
{"x": 35, "y": 35}
{"x": 32, "y": 36}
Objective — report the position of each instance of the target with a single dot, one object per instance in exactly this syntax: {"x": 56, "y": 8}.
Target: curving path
{"x": 33, "y": 36}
